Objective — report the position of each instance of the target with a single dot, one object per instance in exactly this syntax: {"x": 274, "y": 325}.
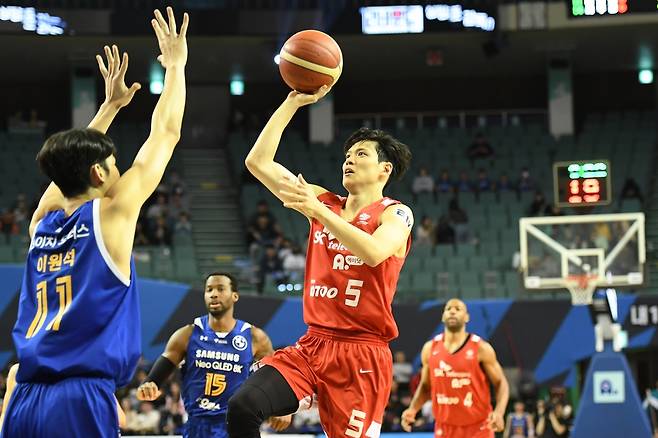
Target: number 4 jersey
{"x": 215, "y": 366}
{"x": 78, "y": 315}
{"x": 341, "y": 292}
{"x": 460, "y": 389}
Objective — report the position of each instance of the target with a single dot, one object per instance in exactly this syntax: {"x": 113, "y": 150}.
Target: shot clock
{"x": 582, "y": 183}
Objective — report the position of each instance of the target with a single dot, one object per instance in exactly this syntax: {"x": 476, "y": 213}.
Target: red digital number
{"x": 574, "y": 187}
{"x": 591, "y": 186}
{"x": 622, "y": 5}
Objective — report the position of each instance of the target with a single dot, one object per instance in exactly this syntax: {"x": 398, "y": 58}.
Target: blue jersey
{"x": 78, "y": 315}
{"x": 519, "y": 425}
{"x": 216, "y": 365}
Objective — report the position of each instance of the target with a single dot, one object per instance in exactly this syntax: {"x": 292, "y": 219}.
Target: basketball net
{"x": 581, "y": 288}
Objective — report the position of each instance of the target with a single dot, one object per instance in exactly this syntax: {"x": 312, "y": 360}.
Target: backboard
{"x": 582, "y": 252}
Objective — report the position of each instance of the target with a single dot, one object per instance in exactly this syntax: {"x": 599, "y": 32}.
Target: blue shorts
{"x": 73, "y": 407}
{"x": 205, "y": 427}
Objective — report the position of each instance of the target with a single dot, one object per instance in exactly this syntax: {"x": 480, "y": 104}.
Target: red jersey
{"x": 341, "y": 292}
{"x": 460, "y": 389}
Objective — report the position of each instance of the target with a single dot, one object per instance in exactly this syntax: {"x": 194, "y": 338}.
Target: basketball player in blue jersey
{"x": 519, "y": 423}
{"x": 217, "y": 352}
{"x": 77, "y": 333}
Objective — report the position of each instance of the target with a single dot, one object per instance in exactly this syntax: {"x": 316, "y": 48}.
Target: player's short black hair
{"x": 66, "y": 158}
{"x": 388, "y": 149}
{"x": 234, "y": 281}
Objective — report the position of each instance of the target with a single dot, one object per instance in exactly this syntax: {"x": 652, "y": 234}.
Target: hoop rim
{"x": 581, "y": 287}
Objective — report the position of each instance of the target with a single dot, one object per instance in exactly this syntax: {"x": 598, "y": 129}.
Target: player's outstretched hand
{"x": 408, "y": 419}
{"x": 280, "y": 424}
{"x": 301, "y": 99}
{"x": 496, "y": 422}
{"x": 114, "y": 75}
{"x": 298, "y": 195}
{"x": 173, "y": 46}
{"x": 148, "y": 391}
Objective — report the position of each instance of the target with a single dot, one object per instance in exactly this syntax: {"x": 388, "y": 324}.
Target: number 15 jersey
{"x": 341, "y": 292}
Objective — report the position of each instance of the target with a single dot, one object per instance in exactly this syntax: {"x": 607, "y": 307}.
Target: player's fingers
{"x": 161, "y": 21}
{"x": 183, "y": 27}
{"x": 172, "y": 21}
{"x": 101, "y": 65}
{"x": 117, "y": 59}
{"x": 159, "y": 33}
{"x": 110, "y": 60}
{"x": 124, "y": 65}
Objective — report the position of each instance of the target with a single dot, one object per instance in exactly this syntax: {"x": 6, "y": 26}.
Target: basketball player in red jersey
{"x": 457, "y": 369}
{"x": 357, "y": 245}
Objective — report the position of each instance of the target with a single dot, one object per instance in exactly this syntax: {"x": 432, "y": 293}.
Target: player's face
{"x": 362, "y": 166}
{"x": 518, "y": 408}
{"x": 219, "y": 295}
{"x": 455, "y": 315}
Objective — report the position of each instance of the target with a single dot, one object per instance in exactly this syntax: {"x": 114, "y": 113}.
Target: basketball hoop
{"x": 581, "y": 288}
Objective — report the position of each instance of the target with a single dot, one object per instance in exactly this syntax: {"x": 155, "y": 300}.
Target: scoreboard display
{"x": 599, "y": 8}
{"x": 582, "y": 183}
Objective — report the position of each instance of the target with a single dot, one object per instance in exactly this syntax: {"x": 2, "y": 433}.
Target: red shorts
{"x": 351, "y": 379}
{"x": 478, "y": 430}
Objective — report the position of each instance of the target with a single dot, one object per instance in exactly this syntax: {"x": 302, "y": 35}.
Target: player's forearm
{"x": 502, "y": 396}
{"x": 360, "y": 243}
{"x": 104, "y": 117}
{"x": 422, "y": 395}
{"x": 168, "y": 113}
{"x": 268, "y": 141}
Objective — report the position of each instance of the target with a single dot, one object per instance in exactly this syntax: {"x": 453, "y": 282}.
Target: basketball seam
{"x": 333, "y": 72}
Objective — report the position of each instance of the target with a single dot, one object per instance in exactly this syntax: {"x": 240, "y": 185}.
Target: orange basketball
{"x": 309, "y": 60}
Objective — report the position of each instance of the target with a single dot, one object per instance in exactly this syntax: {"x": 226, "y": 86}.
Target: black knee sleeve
{"x": 264, "y": 394}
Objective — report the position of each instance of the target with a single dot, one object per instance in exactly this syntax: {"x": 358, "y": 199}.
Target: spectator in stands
{"x": 445, "y": 233}
{"x": 483, "y": 183}
{"x": 402, "y": 371}
{"x": 262, "y": 209}
{"x": 445, "y": 184}
{"x": 159, "y": 209}
{"x": 177, "y": 204}
{"x": 8, "y": 223}
{"x": 464, "y": 183}
{"x": 161, "y": 233}
{"x": 183, "y": 225}
{"x": 651, "y": 405}
{"x": 459, "y": 220}
{"x": 551, "y": 421}
{"x": 553, "y": 210}
{"x": 261, "y": 233}
{"x": 294, "y": 264}
{"x": 270, "y": 264}
{"x": 34, "y": 122}
{"x": 480, "y": 148}
{"x": 538, "y": 206}
{"x": 394, "y": 409}
{"x": 131, "y": 416}
{"x": 21, "y": 209}
{"x": 141, "y": 239}
{"x": 176, "y": 184}
{"x": 631, "y": 190}
{"x": 426, "y": 233}
{"x": 504, "y": 184}
{"x": 173, "y": 410}
{"x": 525, "y": 183}
{"x": 423, "y": 183}
{"x": 147, "y": 421}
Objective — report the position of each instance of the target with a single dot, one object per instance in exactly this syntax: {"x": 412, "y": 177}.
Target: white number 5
{"x": 356, "y": 420}
{"x": 351, "y": 289}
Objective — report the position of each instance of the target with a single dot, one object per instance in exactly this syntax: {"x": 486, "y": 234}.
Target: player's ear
{"x": 467, "y": 318}
{"x": 387, "y": 167}
{"x": 236, "y": 297}
{"x": 97, "y": 175}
